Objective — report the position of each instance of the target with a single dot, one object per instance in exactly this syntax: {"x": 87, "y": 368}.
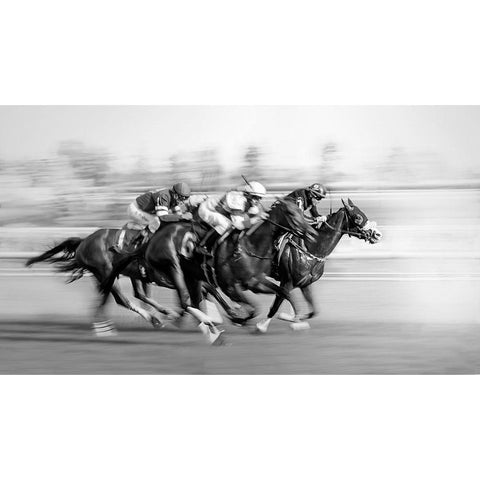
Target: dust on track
{"x": 59, "y": 345}
{"x": 364, "y": 327}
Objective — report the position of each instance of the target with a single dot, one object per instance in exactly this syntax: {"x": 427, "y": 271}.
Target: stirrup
{"x": 202, "y": 250}
{"x": 116, "y": 249}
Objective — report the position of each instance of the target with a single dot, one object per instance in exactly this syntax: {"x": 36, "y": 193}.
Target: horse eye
{"x": 358, "y": 219}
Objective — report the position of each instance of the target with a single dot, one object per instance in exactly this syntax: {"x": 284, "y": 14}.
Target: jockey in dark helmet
{"x": 147, "y": 210}
{"x": 308, "y": 200}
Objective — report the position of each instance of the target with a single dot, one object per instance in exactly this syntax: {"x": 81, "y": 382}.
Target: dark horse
{"x": 301, "y": 265}
{"x": 91, "y": 254}
{"x": 243, "y": 261}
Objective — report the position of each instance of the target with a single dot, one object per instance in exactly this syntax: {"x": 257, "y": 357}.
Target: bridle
{"x": 348, "y": 232}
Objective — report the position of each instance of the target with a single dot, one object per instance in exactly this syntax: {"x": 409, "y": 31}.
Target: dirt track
{"x": 377, "y": 325}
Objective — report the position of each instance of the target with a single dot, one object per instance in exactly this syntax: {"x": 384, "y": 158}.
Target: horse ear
{"x": 351, "y": 203}
{"x": 348, "y": 207}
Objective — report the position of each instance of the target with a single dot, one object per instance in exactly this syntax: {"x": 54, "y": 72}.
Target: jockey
{"x": 147, "y": 209}
{"x": 237, "y": 209}
{"x": 308, "y": 199}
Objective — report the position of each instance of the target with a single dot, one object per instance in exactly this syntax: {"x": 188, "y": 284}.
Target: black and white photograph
{"x": 240, "y": 240}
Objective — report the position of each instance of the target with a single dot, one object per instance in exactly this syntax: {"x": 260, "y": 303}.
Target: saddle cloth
{"x": 125, "y": 236}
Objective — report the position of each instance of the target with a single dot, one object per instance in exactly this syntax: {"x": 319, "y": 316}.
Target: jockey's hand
{"x": 264, "y": 215}
{"x": 319, "y": 220}
{"x": 187, "y": 216}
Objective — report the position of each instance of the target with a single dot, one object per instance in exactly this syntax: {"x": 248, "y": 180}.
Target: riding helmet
{"x": 318, "y": 190}
{"x": 255, "y": 189}
{"x": 182, "y": 189}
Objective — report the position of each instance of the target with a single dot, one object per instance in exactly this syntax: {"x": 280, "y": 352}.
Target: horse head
{"x": 358, "y": 223}
{"x": 287, "y": 215}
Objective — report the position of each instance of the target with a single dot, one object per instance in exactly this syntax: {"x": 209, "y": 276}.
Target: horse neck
{"x": 327, "y": 239}
{"x": 262, "y": 238}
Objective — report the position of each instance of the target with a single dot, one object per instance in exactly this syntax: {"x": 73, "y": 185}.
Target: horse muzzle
{"x": 371, "y": 233}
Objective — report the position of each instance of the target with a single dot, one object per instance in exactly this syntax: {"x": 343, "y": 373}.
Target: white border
{"x": 217, "y": 52}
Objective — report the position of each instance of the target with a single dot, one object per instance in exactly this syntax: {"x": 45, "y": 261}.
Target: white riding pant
{"x": 142, "y": 218}
{"x": 209, "y": 215}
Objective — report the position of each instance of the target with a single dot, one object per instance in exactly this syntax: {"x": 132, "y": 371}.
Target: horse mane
{"x": 330, "y": 216}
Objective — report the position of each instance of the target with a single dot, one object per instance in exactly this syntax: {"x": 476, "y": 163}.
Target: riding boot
{"x": 201, "y": 247}
{"x": 225, "y": 235}
{"x": 118, "y": 247}
{"x": 237, "y": 252}
{"x": 141, "y": 239}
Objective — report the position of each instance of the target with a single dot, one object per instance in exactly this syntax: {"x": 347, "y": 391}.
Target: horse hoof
{"x": 156, "y": 323}
{"x": 239, "y": 322}
{"x": 260, "y": 329}
{"x": 219, "y": 340}
{"x": 287, "y": 317}
{"x": 297, "y": 326}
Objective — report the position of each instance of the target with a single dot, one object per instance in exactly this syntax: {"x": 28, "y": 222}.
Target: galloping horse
{"x": 241, "y": 262}
{"x": 91, "y": 254}
{"x": 300, "y": 266}
{"x": 244, "y": 264}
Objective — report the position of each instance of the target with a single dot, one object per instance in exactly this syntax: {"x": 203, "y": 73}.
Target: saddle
{"x": 130, "y": 237}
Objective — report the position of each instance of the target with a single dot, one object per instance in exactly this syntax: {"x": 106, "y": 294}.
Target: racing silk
{"x": 232, "y": 209}
{"x": 157, "y": 202}
{"x": 304, "y": 201}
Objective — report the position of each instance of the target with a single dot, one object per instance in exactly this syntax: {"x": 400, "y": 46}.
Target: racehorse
{"x": 242, "y": 261}
{"x": 91, "y": 254}
{"x": 300, "y": 266}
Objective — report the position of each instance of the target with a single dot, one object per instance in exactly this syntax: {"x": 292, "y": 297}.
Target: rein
{"x": 346, "y": 232}
{"x": 260, "y": 257}
{"x": 287, "y": 229}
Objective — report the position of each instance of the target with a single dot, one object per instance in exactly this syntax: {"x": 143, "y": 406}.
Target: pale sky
{"x": 288, "y": 135}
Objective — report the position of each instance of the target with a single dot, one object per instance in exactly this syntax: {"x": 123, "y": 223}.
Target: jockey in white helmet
{"x": 236, "y": 209}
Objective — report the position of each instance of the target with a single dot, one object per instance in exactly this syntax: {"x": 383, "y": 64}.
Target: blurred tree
{"x": 209, "y": 169}
{"x": 396, "y": 166}
{"x": 141, "y": 165}
{"x": 88, "y": 164}
{"x": 329, "y": 168}
{"x": 251, "y": 165}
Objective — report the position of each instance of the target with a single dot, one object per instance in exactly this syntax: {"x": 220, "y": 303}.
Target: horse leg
{"x": 178, "y": 280}
{"x": 144, "y": 297}
{"x": 123, "y": 301}
{"x": 307, "y": 293}
{"x": 262, "y": 325}
{"x": 283, "y": 293}
{"x": 231, "y": 312}
{"x": 101, "y": 326}
{"x": 240, "y": 296}
{"x": 212, "y": 334}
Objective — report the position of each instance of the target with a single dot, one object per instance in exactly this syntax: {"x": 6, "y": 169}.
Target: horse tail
{"x": 119, "y": 266}
{"x": 68, "y": 247}
{"x": 67, "y": 261}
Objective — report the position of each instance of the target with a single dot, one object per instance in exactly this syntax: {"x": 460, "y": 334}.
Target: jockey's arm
{"x": 161, "y": 210}
{"x": 313, "y": 215}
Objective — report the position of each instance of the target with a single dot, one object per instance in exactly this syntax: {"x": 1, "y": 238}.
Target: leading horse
{"x": 301, "y": 265}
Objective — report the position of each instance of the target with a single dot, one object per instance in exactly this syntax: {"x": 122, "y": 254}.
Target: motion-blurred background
{"x": 413, "y": 169}
{"x": 66, "y": 171}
